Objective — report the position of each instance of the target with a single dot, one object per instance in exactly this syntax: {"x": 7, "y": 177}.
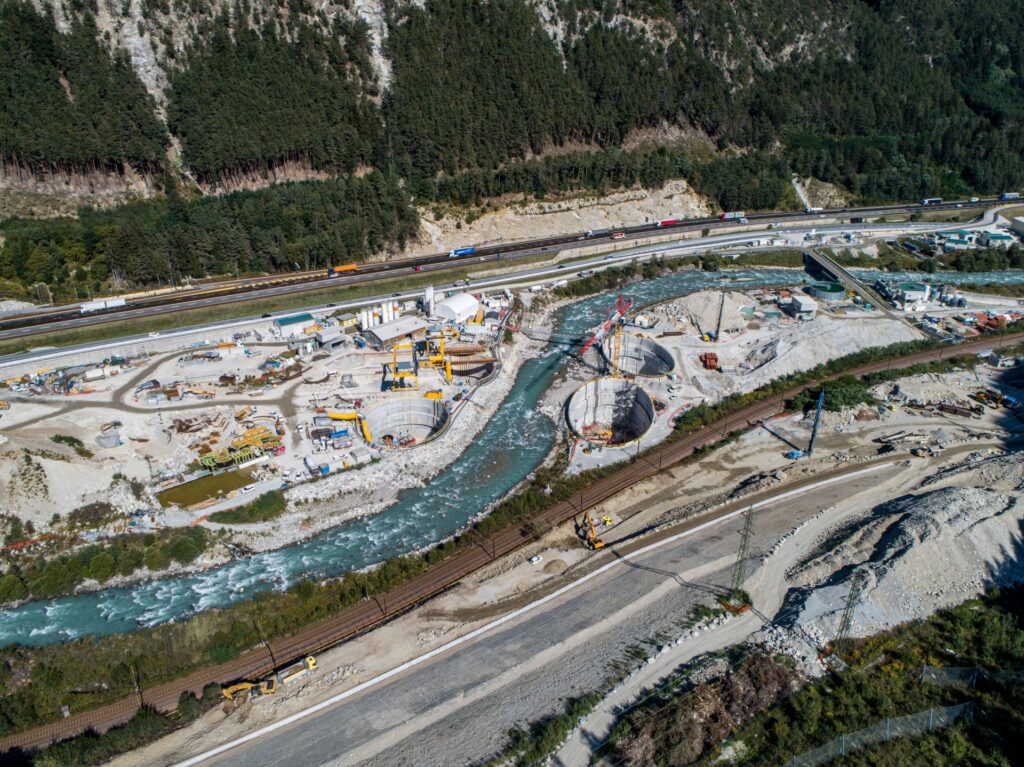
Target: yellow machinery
{"x": 5, "y": 405}
{"x": 591, "y": 531}
{"x": 436, "y": 357}
{"x": 237, "y": 693}
{"x": 359, "y": 417}
{"x": 245, "y": 412}
{"x": 258, "y": 436}
{"x": 402, "y": 372}
{"x": 435, "y": 394}
{"x": 615, "y": 349}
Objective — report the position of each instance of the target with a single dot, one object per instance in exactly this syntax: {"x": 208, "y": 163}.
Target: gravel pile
{"x": 918, "y": 554}
{"x": 700, "y": 310}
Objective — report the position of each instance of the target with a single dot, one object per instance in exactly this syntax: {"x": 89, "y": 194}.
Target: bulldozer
{"x": 239, "y": 693}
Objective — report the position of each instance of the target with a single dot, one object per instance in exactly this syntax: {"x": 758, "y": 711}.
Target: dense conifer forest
{"x": 467, "y": 99}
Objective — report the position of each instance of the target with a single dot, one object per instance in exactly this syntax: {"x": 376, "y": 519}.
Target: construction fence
{"x": 884, "y": 731}
{"x": 969, "y": 676}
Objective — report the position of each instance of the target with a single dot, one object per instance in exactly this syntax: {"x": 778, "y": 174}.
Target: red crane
{"x": 621, "y": 307}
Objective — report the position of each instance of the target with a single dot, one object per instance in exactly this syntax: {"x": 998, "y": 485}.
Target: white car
{"x": 535, "y": 559}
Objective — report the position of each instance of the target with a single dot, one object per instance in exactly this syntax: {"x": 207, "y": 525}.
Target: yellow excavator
{"x": 591, "y": 531}
{"x": 238, "y": 693}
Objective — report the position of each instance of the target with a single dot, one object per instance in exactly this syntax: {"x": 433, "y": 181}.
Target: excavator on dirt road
{"x": 239, "y": 693}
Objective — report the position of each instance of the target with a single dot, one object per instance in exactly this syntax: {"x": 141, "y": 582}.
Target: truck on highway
{"x": 335, "y": 271}
{"x": 294, "y": 673}
{"x": 931, "y": 201}
{"x": 813, "y": 210}
{"x": 597, "y": 232}
{"x": 666, "y": 222}
{"x": 1010, "y": 196}
{"x": 100, "y": 304}
{"x": 733, "y": 216}
{"x": 456, "y": 252}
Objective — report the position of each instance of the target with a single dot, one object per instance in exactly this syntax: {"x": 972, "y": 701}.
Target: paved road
{"x": 67, "y": 316}
{"x": 524, "y": 277}
{"x": 458, "y": 708}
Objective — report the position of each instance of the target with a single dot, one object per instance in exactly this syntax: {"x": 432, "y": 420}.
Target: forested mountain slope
{"x": 464, "y": 99}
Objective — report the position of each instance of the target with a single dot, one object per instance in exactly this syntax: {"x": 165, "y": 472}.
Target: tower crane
{"x": 797, "y": 454}
{"x": 622, "y": 305}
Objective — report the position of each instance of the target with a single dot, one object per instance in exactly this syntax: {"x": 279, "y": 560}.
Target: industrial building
{"x": 457, "y": 308}
{"x": 390, "y": 333}
{"x": 996, "y": 240}
{"x": 913, "y": 292}
{"x": 804, "y": 308}
{"x": 295, "y": 325}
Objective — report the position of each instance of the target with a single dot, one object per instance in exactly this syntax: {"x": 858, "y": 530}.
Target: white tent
{"x": 457, "y": 308}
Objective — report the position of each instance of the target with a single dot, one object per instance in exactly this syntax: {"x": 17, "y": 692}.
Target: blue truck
{"x": 461, "y": 252}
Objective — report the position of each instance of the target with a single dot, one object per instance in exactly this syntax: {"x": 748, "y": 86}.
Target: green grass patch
{"x": 267, "y": 506}
{"x": 73, "y": 442}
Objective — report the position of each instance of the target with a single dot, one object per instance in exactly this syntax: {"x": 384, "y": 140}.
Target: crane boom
{"x": 817, "y": 420}
{"x": 622, "y": 306}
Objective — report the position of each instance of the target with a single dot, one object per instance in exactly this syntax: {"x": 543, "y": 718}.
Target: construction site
{"x": 386, "y": 426}
{"x": 295, "y": 406}
{"x": 655, "y": 364}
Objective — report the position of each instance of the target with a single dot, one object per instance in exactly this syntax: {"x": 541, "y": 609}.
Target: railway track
{"x": 379, "y": 608}
{"x": 242, "y": 289}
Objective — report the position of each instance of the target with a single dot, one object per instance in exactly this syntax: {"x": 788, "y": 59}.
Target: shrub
{"x": 11, "y": 588}
{"x": 156, "y": 558}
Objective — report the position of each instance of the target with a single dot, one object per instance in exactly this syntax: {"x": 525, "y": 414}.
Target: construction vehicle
{"x": 294, "y": 673}
{"x": 795, "y": 455}
{"x": 5, "y": 405}
{"x": 617, "y": 315}
{"x": 434, "y": 394}
{"x": 239, "y": 693}
{"x": 358, "y": 418}
{"x": 403, "y": 374}
{"x": 590, "y": 531}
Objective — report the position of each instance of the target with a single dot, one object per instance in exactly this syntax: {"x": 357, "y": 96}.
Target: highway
{"x": 524, "y": 277}
{"x": 368, "y": 613}
{"x": 68, "y": 316}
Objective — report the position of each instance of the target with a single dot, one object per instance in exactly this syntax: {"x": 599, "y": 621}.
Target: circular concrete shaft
{"x": 611, "y": 409}
{"x": 392, "y": 423}
{"x": 639, "y": 356}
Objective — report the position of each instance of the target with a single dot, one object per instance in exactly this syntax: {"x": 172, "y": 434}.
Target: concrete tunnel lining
{"x": 610, "y": 404}
{"x": 407, "y": 417}
{"x": 640, "y": 356}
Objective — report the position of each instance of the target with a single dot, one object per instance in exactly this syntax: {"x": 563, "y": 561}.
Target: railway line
{"x": 244, "y": 289}
{"x": 379, "y": 608}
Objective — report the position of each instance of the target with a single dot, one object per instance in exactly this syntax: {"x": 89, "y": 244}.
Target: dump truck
{"x": 294, "y": 673}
